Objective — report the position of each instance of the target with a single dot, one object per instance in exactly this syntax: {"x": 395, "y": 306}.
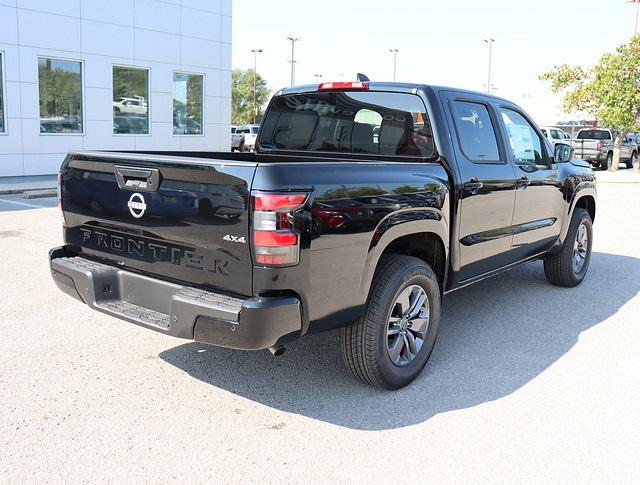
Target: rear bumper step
{"x": 173, "y": 309}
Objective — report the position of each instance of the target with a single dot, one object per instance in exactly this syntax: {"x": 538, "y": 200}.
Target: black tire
{"x": 365, "y": 343}
{"x": 607, "y": 162}
{"x": 559, "y": 268}
{"x": 631, "y": 162}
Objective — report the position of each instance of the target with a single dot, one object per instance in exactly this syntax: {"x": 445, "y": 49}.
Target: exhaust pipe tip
{"x": 277, "y": 350}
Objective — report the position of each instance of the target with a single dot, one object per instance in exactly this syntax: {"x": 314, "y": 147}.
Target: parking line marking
{"x": 25, "y": 204}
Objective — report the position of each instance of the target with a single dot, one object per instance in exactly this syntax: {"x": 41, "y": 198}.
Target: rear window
{"x": 374, "y": 123}
{"x": 594, "y": 135}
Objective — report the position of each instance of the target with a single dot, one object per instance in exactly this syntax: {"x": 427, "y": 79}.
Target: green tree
{"x": 609, "y": 91}
{"x": 242, "y": 96}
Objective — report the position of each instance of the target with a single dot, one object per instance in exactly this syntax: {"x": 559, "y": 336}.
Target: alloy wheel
{"x": 408, "y": 324}
{"x": 580, "y": 247}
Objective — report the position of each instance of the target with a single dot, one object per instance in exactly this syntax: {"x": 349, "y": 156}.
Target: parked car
{"x": 134, "y": 105}
{"x": 237, "y": 138}
{"x": 595, "y": 145}
{"x": 555, "y": 135}
{"x": 184, "y": 125}
{"x": 249, "y": 135}
{"x": 130, "y": 124}
{"x": 302, "y": 252}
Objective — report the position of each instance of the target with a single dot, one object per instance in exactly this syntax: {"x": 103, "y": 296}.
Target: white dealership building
{"x": 116, "y": 74}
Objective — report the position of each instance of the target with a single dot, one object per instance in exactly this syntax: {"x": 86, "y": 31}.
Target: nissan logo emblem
{"x": 136, "y": 205}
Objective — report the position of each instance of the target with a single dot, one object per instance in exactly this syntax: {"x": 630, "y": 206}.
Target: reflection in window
{"x": 187, "y": 103}
{"x": 366, "y": 122}
{"x": 2, "y": 126}
{"x": 60, "y": 89}
{"x": 477, "y": 136}
{"x": 130, "y": 101}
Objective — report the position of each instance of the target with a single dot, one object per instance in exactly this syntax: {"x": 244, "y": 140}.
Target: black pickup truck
{"x": 363, "y": 205}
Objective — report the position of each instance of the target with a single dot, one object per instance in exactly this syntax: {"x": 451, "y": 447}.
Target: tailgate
{"x": 586, "y": 149}
{"x": 179, "y": 218}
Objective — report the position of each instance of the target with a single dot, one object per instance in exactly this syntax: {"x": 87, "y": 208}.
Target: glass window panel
{"x": 476, "y": 132}
{"x": 130, "y": 101}
{"x": 367, "y": 122}
{"x": 525, "y": 143}
{"x": 60, "y": 90}
{"x": 187, "y": 103}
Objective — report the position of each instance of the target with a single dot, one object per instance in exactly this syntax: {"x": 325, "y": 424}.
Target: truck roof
{"x": 394, "y": 86}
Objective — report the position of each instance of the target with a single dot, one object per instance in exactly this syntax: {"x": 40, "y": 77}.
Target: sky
{"x": 439, "y": 42}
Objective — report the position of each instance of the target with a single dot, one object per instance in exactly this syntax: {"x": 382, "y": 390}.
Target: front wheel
{"x": 633, "y": 160}
{"x": 569, "y": 266}
{"x": 391, "y": 343}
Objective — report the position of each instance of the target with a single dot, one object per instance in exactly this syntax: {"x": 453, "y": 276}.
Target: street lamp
{"x": 317, "y": 77}
{"x": 637, "y": 2}
{"x": 395, "y": 61}
{"x": 490, "y": 42}
{"x": 293, "y": 41}
{"x": 255, "y": 62}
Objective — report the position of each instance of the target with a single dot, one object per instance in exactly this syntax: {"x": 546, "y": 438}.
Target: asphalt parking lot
{"x": 528, "y": 384}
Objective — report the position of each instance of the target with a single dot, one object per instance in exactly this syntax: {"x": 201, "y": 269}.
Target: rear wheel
{"x": 391, "y": 343}
{"x": 569, "y": 266}
{"x": 607, "y": 162}
{"x": 633, "y": 160}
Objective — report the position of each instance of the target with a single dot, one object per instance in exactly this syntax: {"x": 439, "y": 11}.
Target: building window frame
{"x": 3, "y": 87}
{"x": 150, "y": 123}
{"x": 204, "y": 98}
{"x": 82, "y": 91}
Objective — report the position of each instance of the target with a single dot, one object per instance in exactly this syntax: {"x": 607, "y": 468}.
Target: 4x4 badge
{"x": 235, "y": 239}
{"x": 137, "y": 205}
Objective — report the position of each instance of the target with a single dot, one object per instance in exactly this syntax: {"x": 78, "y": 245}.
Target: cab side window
{"x": 526, "y": 145}
{"x": 476, "y": 132}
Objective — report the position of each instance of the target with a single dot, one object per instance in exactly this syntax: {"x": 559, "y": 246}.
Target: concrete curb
{"x": 39, "y": 194}
{"x": 23, "y": 190}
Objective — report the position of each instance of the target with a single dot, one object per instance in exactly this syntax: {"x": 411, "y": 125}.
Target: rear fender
{"x": 398, "y": 225}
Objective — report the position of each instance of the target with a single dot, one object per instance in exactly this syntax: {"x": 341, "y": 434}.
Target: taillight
{"x": 275, "y": 240}
{"x": 599, "y": 146}
{"x": 351, "y": 85}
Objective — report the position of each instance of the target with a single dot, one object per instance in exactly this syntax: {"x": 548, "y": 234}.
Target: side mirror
{"x": 562, "y": 153}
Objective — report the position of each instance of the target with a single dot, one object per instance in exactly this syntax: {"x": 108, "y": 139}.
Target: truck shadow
{"x": 495, "y": 337}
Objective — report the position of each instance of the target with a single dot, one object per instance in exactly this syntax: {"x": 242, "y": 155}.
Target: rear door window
{"x": 476, "y": 131}
{"x": 359, "y": 122}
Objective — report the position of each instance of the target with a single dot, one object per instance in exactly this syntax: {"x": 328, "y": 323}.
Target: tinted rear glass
{"x": 376, "y": 123}
{"x": 476, "y": 132}
{"x": 594, "y": 135}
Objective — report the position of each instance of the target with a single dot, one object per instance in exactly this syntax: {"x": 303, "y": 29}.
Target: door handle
{"x": 523, "y": 182}
{"x": 473, "y": 186}
{"x": 143, "y": 179}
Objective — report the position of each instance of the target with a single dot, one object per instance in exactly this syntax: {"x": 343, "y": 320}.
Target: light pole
{"x": 637, "y": 2}
{"x": 490, "y": 42}
{"x": 395, "y": 61}
{"x": 317, "y": 77}
{"x": 293, "y": 41}
{"x": 255, "y": 62}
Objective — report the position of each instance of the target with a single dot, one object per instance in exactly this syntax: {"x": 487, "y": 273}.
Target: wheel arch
{"x": 588, "y": 203}
{"x": 425, "y": 239}
{"x": 584, "y": 197}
